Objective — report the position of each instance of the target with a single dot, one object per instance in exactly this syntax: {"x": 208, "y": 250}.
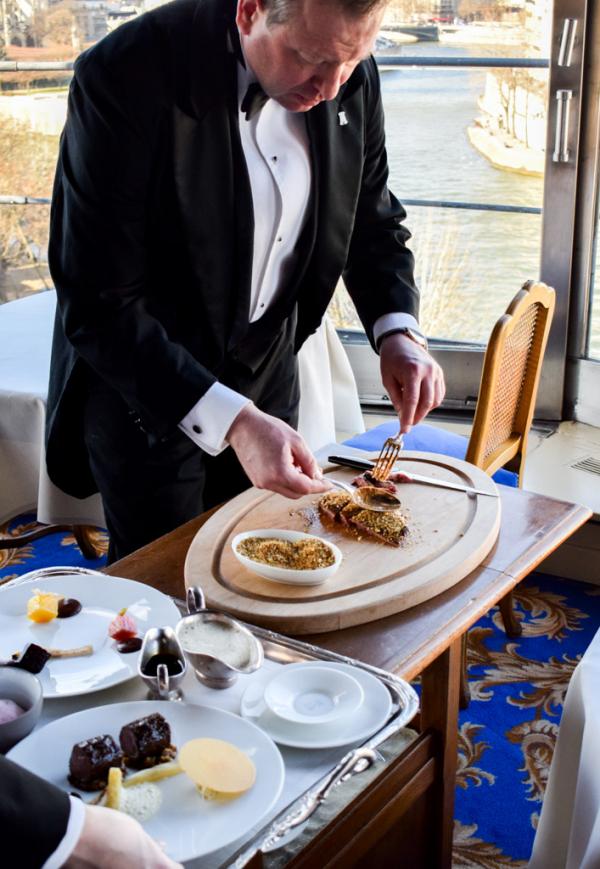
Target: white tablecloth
{"x": 568, "y": 835}
{"x": 329, "y": 402}
{"x": 25, "y": 343}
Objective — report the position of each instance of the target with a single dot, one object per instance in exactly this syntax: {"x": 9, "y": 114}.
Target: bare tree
{"x": 27, "y": 162}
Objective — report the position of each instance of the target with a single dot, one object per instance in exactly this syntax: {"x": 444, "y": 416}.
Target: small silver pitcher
{"x": 164, "y": 674}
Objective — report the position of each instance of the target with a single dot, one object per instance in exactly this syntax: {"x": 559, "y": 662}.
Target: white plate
{"x": 101, "y": 598}
{"x": 188, "y": 825}
{"x": 372, "y": 714}
{"x": 282, "y": 574}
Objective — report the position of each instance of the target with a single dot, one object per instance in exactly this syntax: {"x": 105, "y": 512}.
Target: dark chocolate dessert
{"x": 91, "y": 760}
{"x": 147, "y": 741}
{"x": 33, "y": 658}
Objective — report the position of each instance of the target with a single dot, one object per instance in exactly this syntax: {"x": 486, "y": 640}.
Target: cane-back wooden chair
{"x": 507, "y": 394}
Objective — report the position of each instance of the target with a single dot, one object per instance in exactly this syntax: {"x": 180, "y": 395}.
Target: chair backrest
{"x": 509, "y": 381}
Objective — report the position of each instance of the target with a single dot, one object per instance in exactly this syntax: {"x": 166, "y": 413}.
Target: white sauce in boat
{"x": 213, "y": 638}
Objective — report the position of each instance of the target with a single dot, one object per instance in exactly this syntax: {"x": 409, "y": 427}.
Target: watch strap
{"x": 411, "y": 333}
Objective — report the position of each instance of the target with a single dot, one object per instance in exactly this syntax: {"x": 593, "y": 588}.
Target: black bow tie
{"x": 254, "y": 100}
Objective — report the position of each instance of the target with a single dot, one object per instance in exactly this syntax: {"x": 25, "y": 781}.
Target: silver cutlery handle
{"x": 354, "y": 762}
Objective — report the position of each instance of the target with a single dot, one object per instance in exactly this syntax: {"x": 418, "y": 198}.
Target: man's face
{"x": 309, "y": 57}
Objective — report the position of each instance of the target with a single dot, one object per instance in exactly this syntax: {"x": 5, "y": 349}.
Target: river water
{"x": 469, "y": 263}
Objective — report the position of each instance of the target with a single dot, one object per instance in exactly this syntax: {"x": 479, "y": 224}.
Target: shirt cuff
{"x": 396, "y": 320}
{"x": 210, "y": 419}
{"x": 71, "y": 837}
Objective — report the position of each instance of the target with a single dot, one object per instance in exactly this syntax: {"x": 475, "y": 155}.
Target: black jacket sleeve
{"x": 98, "y": 249}
{"x": 34, "y": 815}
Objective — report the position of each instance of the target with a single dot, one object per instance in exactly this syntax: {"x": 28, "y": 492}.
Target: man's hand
{"x": 273, "y": 455}
{"x": 112, "y": 840}
{"x": 412, "y": 378}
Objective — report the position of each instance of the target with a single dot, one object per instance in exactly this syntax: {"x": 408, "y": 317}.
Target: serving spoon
{"x": 370, "y": 497}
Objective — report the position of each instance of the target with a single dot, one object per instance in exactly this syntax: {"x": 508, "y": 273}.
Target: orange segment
{"x": 43, "y": 606}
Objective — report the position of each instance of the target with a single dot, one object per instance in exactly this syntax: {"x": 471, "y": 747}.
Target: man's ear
{"x": 247, "y": 11}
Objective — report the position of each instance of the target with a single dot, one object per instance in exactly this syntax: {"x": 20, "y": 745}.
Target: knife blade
{"x": 365, "y": 465}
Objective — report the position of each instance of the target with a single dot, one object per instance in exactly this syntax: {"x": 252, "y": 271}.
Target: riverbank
{"x": 505, "y": 152}
{"x": 42, "y": 112}
{"x": 481, "y": 33}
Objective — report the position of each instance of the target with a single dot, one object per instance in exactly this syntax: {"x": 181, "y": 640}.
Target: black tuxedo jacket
{"x": 33, "y": 817}
{"x": 152, "y": 223}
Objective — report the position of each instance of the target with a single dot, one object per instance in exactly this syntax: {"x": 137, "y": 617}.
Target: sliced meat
{"x": 399, "y": 477}
{"x": 387, "y": 527}
{"x": 367, "y": 479}
{"x": 332, "y": 503}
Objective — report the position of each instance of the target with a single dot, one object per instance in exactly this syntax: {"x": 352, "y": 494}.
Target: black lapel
{"x": 336, "y": 133}
{"x": 327, "y": 176}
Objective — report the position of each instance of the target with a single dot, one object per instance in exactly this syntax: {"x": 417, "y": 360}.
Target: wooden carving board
{"x": 449, "y": 534}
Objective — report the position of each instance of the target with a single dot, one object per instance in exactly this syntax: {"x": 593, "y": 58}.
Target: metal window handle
{"x": 567, "y": 42}
{"x": 561, "y": 133}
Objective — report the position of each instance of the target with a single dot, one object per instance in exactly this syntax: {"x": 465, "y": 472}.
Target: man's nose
{"x": 329, "y": 81}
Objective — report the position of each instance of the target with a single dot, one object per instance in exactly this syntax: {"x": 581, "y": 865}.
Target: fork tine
{"x": 385, "y": 460}
{"x": 387, "y": 457}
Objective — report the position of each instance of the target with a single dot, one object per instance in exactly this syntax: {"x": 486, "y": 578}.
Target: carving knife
{"x": 365, "y": 465}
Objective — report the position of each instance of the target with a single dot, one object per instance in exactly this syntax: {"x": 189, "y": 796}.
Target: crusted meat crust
{"x": 338, "y": 507}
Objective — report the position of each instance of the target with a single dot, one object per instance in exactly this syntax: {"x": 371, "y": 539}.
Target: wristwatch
{"x": 415, "y": 336}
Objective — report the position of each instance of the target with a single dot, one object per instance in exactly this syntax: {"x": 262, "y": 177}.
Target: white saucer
{"x": 372, "y": 714}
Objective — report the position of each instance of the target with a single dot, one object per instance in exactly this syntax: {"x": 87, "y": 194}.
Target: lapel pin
{"x": 342, "y": 119}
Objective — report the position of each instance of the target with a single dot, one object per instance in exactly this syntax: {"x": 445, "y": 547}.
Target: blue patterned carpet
{"x": 508, "y": 733}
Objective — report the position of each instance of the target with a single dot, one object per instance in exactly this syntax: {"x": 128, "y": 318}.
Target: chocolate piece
{"x": 133, "y": 644}
{"x": 68, "y": 607}
{"x": 147, "y": 741}
{"x": 33, "y": 659}
{"x": 90, "y": 761}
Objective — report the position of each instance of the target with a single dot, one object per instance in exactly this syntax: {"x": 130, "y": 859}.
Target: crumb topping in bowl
{"x": 304, "y": 554}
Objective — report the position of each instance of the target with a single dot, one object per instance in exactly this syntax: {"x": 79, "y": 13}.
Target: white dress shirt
{"x": 276, "y": 148}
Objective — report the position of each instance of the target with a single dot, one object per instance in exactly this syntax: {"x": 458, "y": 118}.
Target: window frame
{"x": 564, "y": 257}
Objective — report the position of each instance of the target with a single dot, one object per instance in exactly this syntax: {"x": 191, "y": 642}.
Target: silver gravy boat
{"x": 209, "y": 669}
{"x": 162, "y": 665}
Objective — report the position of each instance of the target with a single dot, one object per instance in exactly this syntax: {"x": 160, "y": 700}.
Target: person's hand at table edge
{"x": 412, "y": 379}
{"x": 112, "y": 840}
{"x": 273, "y": 455}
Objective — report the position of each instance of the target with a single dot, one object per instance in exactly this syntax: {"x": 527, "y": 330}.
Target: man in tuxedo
{"x": 43, "y": 828}
{"x": 220, "y": 168}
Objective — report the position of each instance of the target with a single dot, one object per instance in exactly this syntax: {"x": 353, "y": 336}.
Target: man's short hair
{"x": 280, "y": 11}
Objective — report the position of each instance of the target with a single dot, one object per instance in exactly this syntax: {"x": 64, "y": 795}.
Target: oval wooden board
{"x": 449, "y": 534}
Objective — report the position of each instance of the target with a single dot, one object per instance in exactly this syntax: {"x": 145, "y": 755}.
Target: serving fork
{"x": 387, "y": 457}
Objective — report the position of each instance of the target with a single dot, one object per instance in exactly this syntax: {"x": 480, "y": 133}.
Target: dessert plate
{"x": 101, "y": 598}
{"x": 370, "y": 716}
{"x": 187, "y": 825}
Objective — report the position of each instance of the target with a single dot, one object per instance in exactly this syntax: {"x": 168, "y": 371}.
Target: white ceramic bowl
{"x": 281, "y": 574}
{"x": 314, "y": 695}
{"x": 26, "y": 690}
